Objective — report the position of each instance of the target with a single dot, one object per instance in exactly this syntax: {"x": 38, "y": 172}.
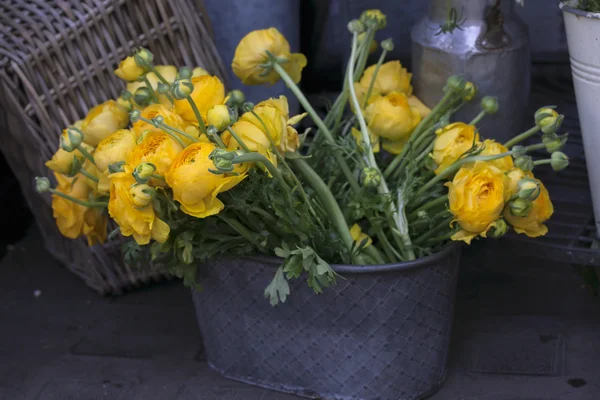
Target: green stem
{"x": 101, "y": 204}
{"x": 455, "y": 167}
{"x": 329, "y": 203}
{"x": 424, "y": 153}
{"x": 542, "y": 162}
{"x": 238, "y": 139}
{"x": 266, "y": 216}
{"x": 423, "y": 125}
{"x": 163, "y": 80}
{"x": 319, "y": 122}
{"x": 522, "y": 137}
{"x": 215, "y": 137}
{"x": 433, "y": 203}
{"x": 257, "y": 157}
{"x": 242, "y": 230}
{"x": 159, "y": 177}
{"x": 433, "y": 231}
{"x": 361, "y": 61}
{"x": 389, "y": 250}
{"x": 149, "y": 86}
{"x": 372, "y": 83}
{"x": 478, "y": 118}
{"x": 372, "y": 252}
{"x": 88, "y": 175}
{"x": 86, "y": 154}
{"x": 439, "y": 239}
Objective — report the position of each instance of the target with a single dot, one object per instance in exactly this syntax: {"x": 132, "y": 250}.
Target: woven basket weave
{"x": 56, "y": 62}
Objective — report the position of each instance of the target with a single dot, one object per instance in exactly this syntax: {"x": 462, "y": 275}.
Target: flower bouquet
{"x": 196, "y": 174}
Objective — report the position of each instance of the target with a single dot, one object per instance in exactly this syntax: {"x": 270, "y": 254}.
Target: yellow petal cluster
{"x": 194, "y": 186}
{"x": 391, "y": 77}
{"x": 477, "y": 196}
{"x": 451, "y": 143}
{"x": 533, "y": 224}
{"x": 141, "y": 223}
{"x": 114, "y": 148}
{"x": 358, "y": 236}
{"x": 157, "y": 148}
{"x": 102, "y": 121}
{"x": 251, "y": 56}
{"x": 129, "y": 70}
{"x": 391, "y": 117}
{"x": 208, "y": 92}
{"x": 72, "y": 219}
{"x": 493, "y": 148}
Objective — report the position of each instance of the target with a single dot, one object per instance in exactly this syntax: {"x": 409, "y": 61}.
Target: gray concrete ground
{"x": 525, "y": 330}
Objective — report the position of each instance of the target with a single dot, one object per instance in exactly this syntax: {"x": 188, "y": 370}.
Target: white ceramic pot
{"x": 583, "y": 37}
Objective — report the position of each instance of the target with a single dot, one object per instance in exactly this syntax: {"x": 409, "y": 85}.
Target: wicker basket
{"x": 56, "y": 62}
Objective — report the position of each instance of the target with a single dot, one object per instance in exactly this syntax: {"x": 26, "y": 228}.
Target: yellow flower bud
{"x": 143, "y": 172}
{"x": 218, "y": 116}
{"x": 42, "y": 184}
{"x": 477, "y": 195}
{"x": 194, "y": 186}
{"x": 524, "y": 163}
{"x": 540, "y": 211}
{"x": 497, "y": 229}
{"x": 528, "y": 189}
{"x": 157, "y": 148}
{"x": 391, "y": 117}
{"x": 141, "y": 195}
{"x": 391, "y": 77}
{"x": 451, "y": 143}
{"x": 370, "y": 178}
{"x": 470, "y": 91}
{"x": 114, "y": 148}
{"x": 374, "y": 19}
{"x": 559, "y": 161}
{"x": 548, "y": 119}
{"x": 251, "y": 57}
{"x": 359, "y": 237}
{"x": 208, "y": 91}
{"x": 141, "y": 223}
{"x": 182, "y": 88}
{"x": 490, "y": 104}
{"x": 520, "y": 207}
{"x": 126, "y": 104}
{"x": 102, "y": 121}
{"x": 129, "y": 70}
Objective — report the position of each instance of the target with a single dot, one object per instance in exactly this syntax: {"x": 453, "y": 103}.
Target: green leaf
{"x": 278, "y": 289}
{"x": 293, "y": 266}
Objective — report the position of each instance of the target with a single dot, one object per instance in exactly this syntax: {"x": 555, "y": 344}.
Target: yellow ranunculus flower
{"x": 64, "y": 162}
{"x": 141, "y": 223}
{"x": 270, "y": 120}
{"x": 218, "y": 116}
{"x": 533, "y": 224}
{"x": 114, "y": 148}
{"x": 451, "y": 142}
{"x": 169, "y": 72}
{"x": 359, "y": 139}
{"x": 194, "y": 186}
{"x": 290, "y": 142}
{"x": 391, "y": 77}
{"x": 129, "y": 70}
{"x": 394, "y": 146}
{"x": 102, "y": 121}
{"x": 358, "y": 236}
{"x": 477, "y": 195}
{"x": 253, "y": 137}
{"x": 493, "y": 148}
{"x": 414, "y": 102}
{"x": 157, "y": 148}
{"x": 170, "y": 117}
{"x": 94, "y": 226}
{"x": 251, "y": 53}
{"x": 69, "y": 216}
{"x": 208, "y": 92}
{"x": 391, "y": 117}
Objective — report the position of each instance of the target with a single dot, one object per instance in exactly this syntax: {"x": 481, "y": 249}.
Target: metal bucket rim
{"x": 424, "y": 262}
{"x": 567, "y": 6}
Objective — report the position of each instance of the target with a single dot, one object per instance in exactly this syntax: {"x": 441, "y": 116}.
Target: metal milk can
{"x": 490, "y": 47}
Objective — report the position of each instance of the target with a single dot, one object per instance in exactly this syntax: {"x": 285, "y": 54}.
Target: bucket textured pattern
{"x": 376, "y": 335}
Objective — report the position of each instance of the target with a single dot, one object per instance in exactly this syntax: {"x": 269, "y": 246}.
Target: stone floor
{"x": 524, "y": 330}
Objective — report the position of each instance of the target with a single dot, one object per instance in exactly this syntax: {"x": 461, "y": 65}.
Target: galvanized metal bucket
{"x": 382, "y": 333}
